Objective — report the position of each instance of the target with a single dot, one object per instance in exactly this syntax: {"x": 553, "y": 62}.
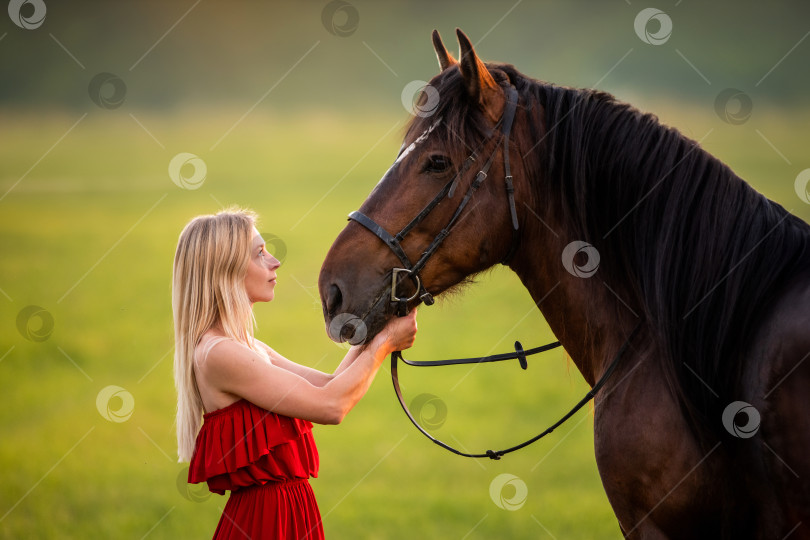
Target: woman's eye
{"x": 437, "y": 164}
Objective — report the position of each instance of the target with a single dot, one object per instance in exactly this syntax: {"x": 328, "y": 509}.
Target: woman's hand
{"x": 398, "y": 335}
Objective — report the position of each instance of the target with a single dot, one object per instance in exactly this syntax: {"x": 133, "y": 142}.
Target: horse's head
{"x": 459, "y": 114}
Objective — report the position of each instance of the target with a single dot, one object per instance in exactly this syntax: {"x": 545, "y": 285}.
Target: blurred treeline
{"x": 223, "y": 53}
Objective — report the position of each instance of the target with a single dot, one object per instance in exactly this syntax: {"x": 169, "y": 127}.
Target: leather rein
{"x": 412, "y": 270}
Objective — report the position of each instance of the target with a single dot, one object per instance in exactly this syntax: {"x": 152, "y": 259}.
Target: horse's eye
{"x": 437, "y": 164}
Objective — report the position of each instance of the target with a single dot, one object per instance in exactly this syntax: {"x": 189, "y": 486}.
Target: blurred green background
{"x": 296, "y": 109}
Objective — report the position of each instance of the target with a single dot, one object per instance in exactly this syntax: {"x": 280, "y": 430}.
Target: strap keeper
{"x": 521, "y": 355}
{"x": 510, "y": 188}
{"x": 493, "y": 455}
{"x": 402, "y": 307}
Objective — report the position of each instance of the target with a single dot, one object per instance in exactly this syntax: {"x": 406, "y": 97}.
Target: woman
{"x": 255, "y": 405}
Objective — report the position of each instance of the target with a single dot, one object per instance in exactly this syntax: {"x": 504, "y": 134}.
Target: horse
{"x": 627, "y": 234}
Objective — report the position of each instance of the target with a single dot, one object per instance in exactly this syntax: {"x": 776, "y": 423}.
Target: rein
{"x": 520, "y": 355}
{"x": 412, "y": 270}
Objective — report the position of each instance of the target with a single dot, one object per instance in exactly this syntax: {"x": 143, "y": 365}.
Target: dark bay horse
{"x": 704, "y": 429}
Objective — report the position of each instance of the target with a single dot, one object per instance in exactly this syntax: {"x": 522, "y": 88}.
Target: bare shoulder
{"x": 230, "y": 359}
{"x": 209, "y": 340}
{"x": 226, "y": 349}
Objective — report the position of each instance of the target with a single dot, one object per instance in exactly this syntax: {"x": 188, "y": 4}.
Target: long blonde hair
{"x": 208, "y": 288}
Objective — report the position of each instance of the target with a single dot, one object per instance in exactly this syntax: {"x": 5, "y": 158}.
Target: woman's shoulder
{"x": 211, "y": 336}
{"x": 215, "y": 345}
{"x": 207, "y": 342}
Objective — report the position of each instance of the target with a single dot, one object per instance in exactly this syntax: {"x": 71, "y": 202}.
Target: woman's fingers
{"x": 400, "y": 332}
{"x": 405, "y": 331}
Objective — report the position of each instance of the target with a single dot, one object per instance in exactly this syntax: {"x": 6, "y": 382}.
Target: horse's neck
{"x": 591, "y": 319}
{"x": 585, "y": 315}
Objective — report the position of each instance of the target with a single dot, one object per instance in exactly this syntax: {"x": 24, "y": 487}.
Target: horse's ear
{"x": 445, "y": 58}
{"x": 481, "y": 87}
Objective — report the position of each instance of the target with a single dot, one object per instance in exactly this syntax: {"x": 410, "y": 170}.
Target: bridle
{"x": 394, "y": 242}
{"x": 412, "y": 270}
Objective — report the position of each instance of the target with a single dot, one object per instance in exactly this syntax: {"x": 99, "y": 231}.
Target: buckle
{"x": 394, "y": 297}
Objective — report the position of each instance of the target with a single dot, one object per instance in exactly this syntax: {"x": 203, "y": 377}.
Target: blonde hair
{"x": 208, "y": 288}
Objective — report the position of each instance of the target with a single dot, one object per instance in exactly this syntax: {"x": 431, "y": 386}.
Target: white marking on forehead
{"x": 419, "y": 140}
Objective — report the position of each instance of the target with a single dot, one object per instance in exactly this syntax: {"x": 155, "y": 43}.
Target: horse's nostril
{"x": 333, "y": 299}
{"x": 347, "y": 332}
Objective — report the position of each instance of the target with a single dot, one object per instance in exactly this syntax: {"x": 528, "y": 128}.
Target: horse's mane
{"x": 702, "y": 253}
{"x": 689, "y": 243}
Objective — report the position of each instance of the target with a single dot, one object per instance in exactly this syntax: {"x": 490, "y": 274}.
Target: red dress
{"x": 265, "y": 460}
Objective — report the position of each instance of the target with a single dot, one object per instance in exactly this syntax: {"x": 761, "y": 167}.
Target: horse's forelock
{"x": 463, "y": 125}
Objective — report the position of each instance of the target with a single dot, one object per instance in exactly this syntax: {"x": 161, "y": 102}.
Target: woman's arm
{"x": 235, "y": 369}
{"x": 315, "y": 377}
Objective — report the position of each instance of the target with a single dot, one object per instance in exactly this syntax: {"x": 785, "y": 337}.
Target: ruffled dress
{"x": 265, "y": 460}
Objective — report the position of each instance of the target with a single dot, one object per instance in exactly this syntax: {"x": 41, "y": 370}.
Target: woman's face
{"x": 260, "y": 280}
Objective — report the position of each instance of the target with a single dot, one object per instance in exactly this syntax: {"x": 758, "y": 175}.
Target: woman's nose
{"x": 273, "y": 263}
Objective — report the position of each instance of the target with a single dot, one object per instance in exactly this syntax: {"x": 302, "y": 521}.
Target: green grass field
{"x": 88, "y": 234}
